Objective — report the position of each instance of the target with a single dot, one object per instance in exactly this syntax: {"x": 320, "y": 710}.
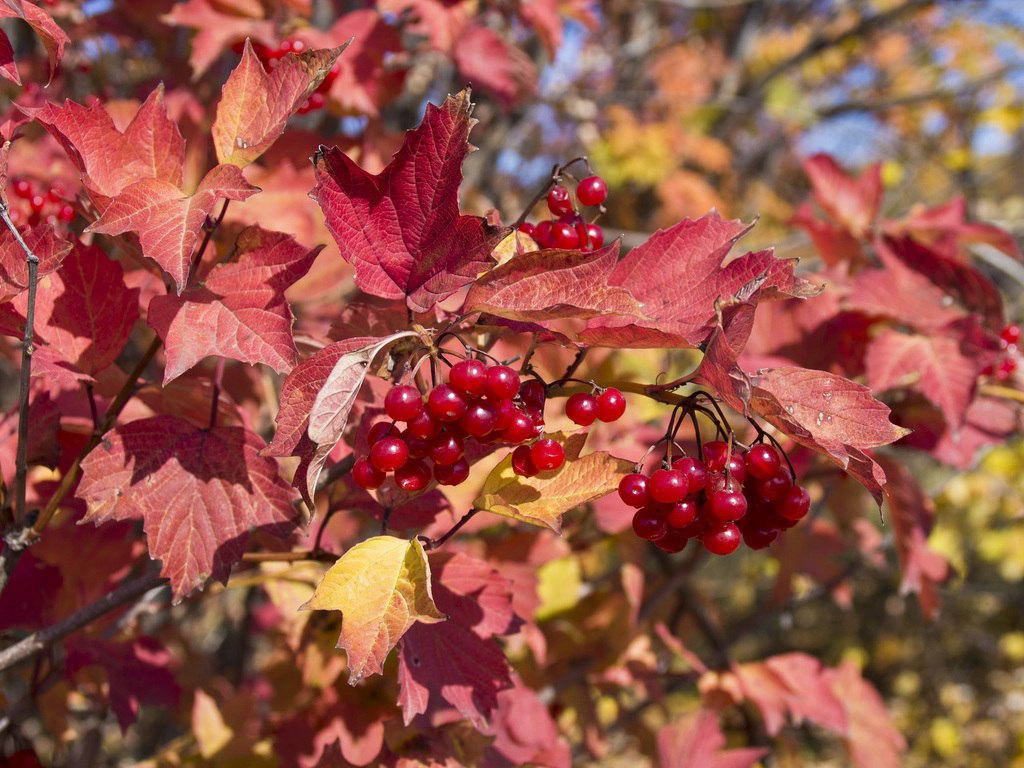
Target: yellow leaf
{"x": 208, "y": 726}
{"x": 542, "y": 500}
{"x": 558, "y": 587}
{"x": 382, "y": 587}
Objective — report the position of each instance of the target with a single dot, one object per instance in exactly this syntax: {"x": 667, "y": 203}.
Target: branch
{"x": 40, "y": 641}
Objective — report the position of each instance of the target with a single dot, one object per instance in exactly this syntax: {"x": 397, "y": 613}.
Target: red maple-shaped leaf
{"x": 169, "y": 220}
{"x": 871, "y": 738}
{"x": 678, "y": 277}
{"x": 43, "y": 242}
{"x": 459, "y": 658}
{"x": 86, "y": 310}
{"x": 936, "y": 366}
{"x": 829, "y": 414}
{"x": 217, "y": 28}
{"x": 150, "y": 147}
{"x": 696, "y": 741}
{"x": 913, "y": 515}
{"x": 52, "y": 36}
{"x": 945, "y": 229}
{"x": 850, "y": 201}
{"x": 239, "y": 310}
{"x": 524, "y": 731}
{"x": 544, "y": 285}
{"x": 487, "y": 60}
{"x": 256, "y": 104}
{"x": 199, "y": 493}
{"x": 43, "y": 448}
{"x": 138, "y": 673}
{"x": 718, "y": 368}
{"x": 402, "y": 229}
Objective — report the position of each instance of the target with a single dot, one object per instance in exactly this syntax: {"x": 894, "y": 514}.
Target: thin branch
{"x": 218, "y": 379}
{"x": 431, "y": 544}
{"x": 38, "y": 642}
{"x": 210, "y": 229}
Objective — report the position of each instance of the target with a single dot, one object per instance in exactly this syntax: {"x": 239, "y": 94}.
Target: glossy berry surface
{"x": 682, "y": 513}
{"x": 547, "y": 454}
{"x": 446, "y": 448}
{"x": 728, "y": 505}
{"x": 667, "y": 486}
{"x": 445, "y": 403}
{"x": 479, "y": 418}
{"x": 403, "y": 403}
{"x": 389, "y": 454}
{"x": 564, "y": 236}
{"x": 724, "y": 540}
{"x": 611, "y": 404}
{"x": 593, "y": 190}
{"x": 582, "y": 408}
{"x": 520, "y": 430}
{"x": 559, "y": 201}
{"x": 365, "y": 476}
{"x": 633, "y": 490}
{"x": 649, "y": 524}
{"x": 452, "y": 474}
{"x": 1010, "y": 335}
{"x": 413, "y": 475}
{"x": 715, "y": 455}
{"x": 469, "y": 377}
{"x": 522, "y": 462}
{"x": 502, "y": 383}
{"x": 762, "y": 461}
{"x": 694, "y": 471}
{"x": 379, "y": 431}
{"x": 795, "y": 504}
{"x": 423, "y": 426}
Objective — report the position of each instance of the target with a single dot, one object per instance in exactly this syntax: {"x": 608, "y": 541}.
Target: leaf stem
{"x": 210, "y": 229}
{"x": 39, "y": 641}
{"x": 218, "y": 379}
{"x": 431, "y": 544}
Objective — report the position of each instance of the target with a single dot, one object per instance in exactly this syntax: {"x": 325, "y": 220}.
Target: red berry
{"x": 547, "y": 454}
{"x": 592, "y": 190}
{"x": 522, "y": 462}
{"x": 365, "y": 476}
{"x": 506, "y": 412}
{"x": 673, "y": 541}
{"x": 633, "y": 490}
{"x": 520, "y": 430}
{"x": 379, "y": 431}
{"x": 582, "y": 408}
{"x": 1010, "y": 334}
{"x": 775, "y": 487}
{"x": 502, "y": 383}
{"x": 795, "y": 504}
{"x": 759, "y": 536}
{"x": 446, "y": 449}
{"x": 528, "y": 229}
{"x": 610, "y": 405}
{"x": 543, "y": 234}
{"x": 696, "y": 474}
{"x": 594, "y": 238}
{"x": 452, "y": 474}
{"x": 715, "y": 453}
{"x": 480, "y": 418}
{"x": 403, "y": 403}
{"x": 66, "y": 214}
{"x": 445, "y": 403}
{"x": 762, "y": 461}
{"x": 23, "y": 189}
{"x": 682, "y": 513}
{"x": 532, "y": 393}
{"x": 389, "y": 454}
{"x": 564, "y": 236}
{"x": 723, "y": 540}
{"x": 559, "y": 201}
{"x": 315, "y": 101}
{"x": 419, "y": 447}
{"x": 1006, "y": 368}
{"x": 736, "y": 468}
{"x": 36, "y": 203}
{"x": 413, "y": 475}
{"x": 423, "y": 426}
{"x": 469, "y": 377}
{"x": 667, "y": 486}
{"x": 728, "y": 505}
{"x": 648, "y": 523}
{"x": 53, "y": 195}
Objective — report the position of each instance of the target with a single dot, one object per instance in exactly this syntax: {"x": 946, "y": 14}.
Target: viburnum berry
{"x": 502, "y": 383}
{"x": 542, "y": 234}
{"x": 736, "y": 468}
{"x": 520, "y": 430}
{"x": 522, "y": 462}
{"x": 648, "y": 523}
{"x": 795, "y": 504}
{"x": 506, "y": 411}
{"x": 532, "y": 394}
{"x": 419, "y": 447}
{"x": 66, "y": 214}
{"x": 389, "y": 454}
{"x": 528, "y": 229}
{"x": 594, "y": 238}
{"x": 715, "y": 455}
{"x": 582, "y": 408}
{"x": 774, "y": 487}
{"x": 682, "y": 513}
{"x": 633, "y": 490}
{"x": 445, "y": 403}
{"x": 728, "y": 505}
{"x": 695, "y": 472}
{"x": 452, "y": 474}
{"x": 611, "y": 404}
{"x": 447, "y": 448}
{"x": 564, "y": 236}
{"x": 366, "y": 476}
{"x": 762, "y": 461}
{"x": 423, "y": 426}
{"x": 723, "y": 540}
{"x": 479, "y": 418}
{"x": 403, "y": 403}
{"x": 1010, "y": 335}
{"x": 559, "y": 201}
{"x": 379, "y": 431}
{"x": 759, "y": 536}
{"x": 413, "y": 475}
{"x": 667, "y": 486}
{"x": 469, "y": 377}
{"x": 547, "y": 454}
{"x": 593, "y": 190}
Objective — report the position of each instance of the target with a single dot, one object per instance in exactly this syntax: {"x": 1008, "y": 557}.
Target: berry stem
{"x": 430, "y": 544}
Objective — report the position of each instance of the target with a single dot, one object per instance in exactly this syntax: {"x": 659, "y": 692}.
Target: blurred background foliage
{"x": 683, "y": 106}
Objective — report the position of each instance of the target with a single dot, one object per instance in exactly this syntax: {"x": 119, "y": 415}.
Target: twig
{"x": 218, "y": 378}
{"x": 431, "y": 544}
{"x": 40, "y": 641}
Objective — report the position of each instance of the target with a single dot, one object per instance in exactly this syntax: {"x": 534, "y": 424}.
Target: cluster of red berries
{"x": 731, "y": 495}
{"x": 486, "y": 403}
{"x": 32, "y": 203}
{"x": 270, "y": 57}
{"x": 568, "y": 231}
{"x": 1006, "y": 366}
